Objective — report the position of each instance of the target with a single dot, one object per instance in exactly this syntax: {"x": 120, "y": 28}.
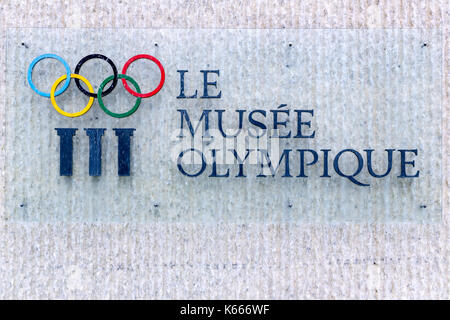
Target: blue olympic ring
{"x": 51, "y": 56}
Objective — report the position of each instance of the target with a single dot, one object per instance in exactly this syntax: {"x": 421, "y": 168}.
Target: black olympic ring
{"x": 96, "y": 56}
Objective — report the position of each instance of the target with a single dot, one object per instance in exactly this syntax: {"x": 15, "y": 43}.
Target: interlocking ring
{"x": 96, "y": 56}
{"x": 42, "y": 57}
{"x": 113, "y": 114}
{"x": 61, "y": 111}
{"x": 161, "y": 82}
{"x": 114, "y": 78}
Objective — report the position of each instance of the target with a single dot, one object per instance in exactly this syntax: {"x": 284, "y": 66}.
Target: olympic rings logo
{"x": 101, "y": 90}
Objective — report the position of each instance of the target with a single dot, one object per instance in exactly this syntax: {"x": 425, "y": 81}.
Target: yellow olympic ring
{"x": 61, "y": 111}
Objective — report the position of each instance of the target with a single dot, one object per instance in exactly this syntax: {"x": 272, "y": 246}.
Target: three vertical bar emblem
{"x": 95, "y": 150}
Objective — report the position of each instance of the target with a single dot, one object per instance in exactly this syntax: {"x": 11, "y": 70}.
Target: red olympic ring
{"x": 161, "y": 69}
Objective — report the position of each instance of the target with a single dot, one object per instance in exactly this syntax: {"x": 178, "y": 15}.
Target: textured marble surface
{"x": 194, "y": 259}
